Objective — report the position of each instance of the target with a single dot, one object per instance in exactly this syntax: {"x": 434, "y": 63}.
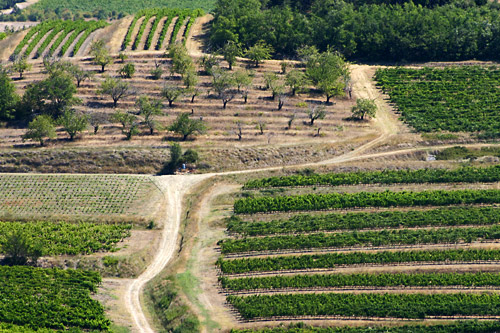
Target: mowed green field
{"x": 78, "y": 196}
{"x": 120, "y": 6}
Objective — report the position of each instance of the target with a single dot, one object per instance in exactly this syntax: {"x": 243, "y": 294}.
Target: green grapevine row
{"x": 55, "y": 27}
{"x": 188, "y": 28}
{"x": 159, "y": 16}
{"x": 67, "y": 29}
{"x": 90, "y": 29}
{"x": 460, "y": 326}
{"x": 454, "y": 99}
{"x": 50, "y": 298}
{"x": 164, "y": 31}
{"x": 27, "y": 38}
{"x": 464, "y": 175}
{"x": 147, "y": 17}
{"x": 366, "y": 305}
{"x": 366, "y": 238}
{"x": 44, "y": 29}
{"x": 364, "y": 199}
{"x": 453, "y": 216}
{"x": 55, "y": 30}
{"x": 331, "y": 260}
{"x": 68, "y": 238}
{"x": 354, "y": 280}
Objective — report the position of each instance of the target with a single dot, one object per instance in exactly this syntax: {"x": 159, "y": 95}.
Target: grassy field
{"x": 75, "y": 196}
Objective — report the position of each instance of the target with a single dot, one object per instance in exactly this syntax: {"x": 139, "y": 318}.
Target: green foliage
{"x": 127, "y": 70}
{"x": 326, "y": 71}
{"x": 21, "y": 65}
{"x": 365, "y": 199}
{"x": 453, "y": 99}
{"x": 9, "y": 99}
{"x": 364, "y": 279}
{"x": 18, "y": 249}
{"x": 186, "y": 126}
{"x": 404, "y": 31}
{"x": 169, "y": 307}
{"x": 40, "y": 128}
{"x": 259, "y": 52}
{"x": 101, "y": 54}
{"x": 65, "y": 238}
{"x": 50, "y": 298}
{"x": 331, "y": 260}
{"x": 112, "y": 9}
{"x": 114, "y": 87}
{"x": 171, "y": 93}
{"x": 296, "y": 80}
{"x": 408, "y": 176}
{"x": 460, "y": 152}
{"x": 49, "y": 29}
{"x": 460, "y": 326}
{"x": 230, "y": 51}
{"x": 366, "y": 305}
{"x": 90, "y": 196}
{"x": 453, "y": 216}
{"x": 181, "y": 60}
{"x": 363, "y": 108}
{"x": 365, "y": 239}
{"x": 148, "y": 109}
{"x": 128, "y": 121}
{"x": 73, "y": 123}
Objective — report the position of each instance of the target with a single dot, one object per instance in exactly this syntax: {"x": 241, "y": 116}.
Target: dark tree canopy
{"x": 373, "y": 30}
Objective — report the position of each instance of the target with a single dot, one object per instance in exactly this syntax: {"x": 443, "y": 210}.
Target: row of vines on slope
{"x": 365, "y": 199}
{"x": 463, "y": 175}
{"x": 158, "y": 13}
{"x": 62, "y": 29}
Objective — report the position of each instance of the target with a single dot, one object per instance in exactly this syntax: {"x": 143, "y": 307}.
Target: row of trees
{"x": 372, "y": 32}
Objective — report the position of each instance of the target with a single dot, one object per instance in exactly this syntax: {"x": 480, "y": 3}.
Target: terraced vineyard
{"x": 157, "y": 28}
{"x": 86, "y": 196}
{"x": 340, "y": 266}
{"x": 56, "y": 38}
{"x": 37, "y": 298}
{"x": 455, "y": 99}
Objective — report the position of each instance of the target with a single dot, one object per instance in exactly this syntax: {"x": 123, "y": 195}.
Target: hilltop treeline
{"x": 394, "y": 30}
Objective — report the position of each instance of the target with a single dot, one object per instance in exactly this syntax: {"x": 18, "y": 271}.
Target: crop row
{"x": 366, "y": 305}
{"x": 331, "y": 260}
{"x": 460, "y": 326}
{"x": 32, "y": 32}
{"x": 158, "y": 13}
{"x": 454, "y": 99}
{"x": 56, "y": 238}
{"x": 366, "y": 238}
{"x": 463, "y": 175}
{"x": 453, "y": 216}
{"x": 53, "y": 28}
{"x": 356, "y": 280}
{"x": 365, "y": 199}
{"x": 50, "y": 298}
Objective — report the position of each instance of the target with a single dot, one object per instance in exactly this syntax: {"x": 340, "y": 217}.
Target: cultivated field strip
{"x": 52, "y": 33}
{"x": 268, "y": 268}
{"x": 222, "y": 124}
{"x": 151, "y": 28}
{"x": 455, "y": 99}
{"x": 56, "y": 299}
{"x": 74, "y": 195}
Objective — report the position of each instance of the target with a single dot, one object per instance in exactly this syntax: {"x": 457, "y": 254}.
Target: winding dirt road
{"x": 176, "y": 187}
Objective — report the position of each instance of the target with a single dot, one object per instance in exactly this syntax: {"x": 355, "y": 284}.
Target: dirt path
{"x": 194, "y": 42}
{"x": 174, "y": 189}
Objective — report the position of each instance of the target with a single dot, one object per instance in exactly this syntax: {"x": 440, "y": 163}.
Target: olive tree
{"x": 364, "y": 107}
{"x": 40, "y": 128}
